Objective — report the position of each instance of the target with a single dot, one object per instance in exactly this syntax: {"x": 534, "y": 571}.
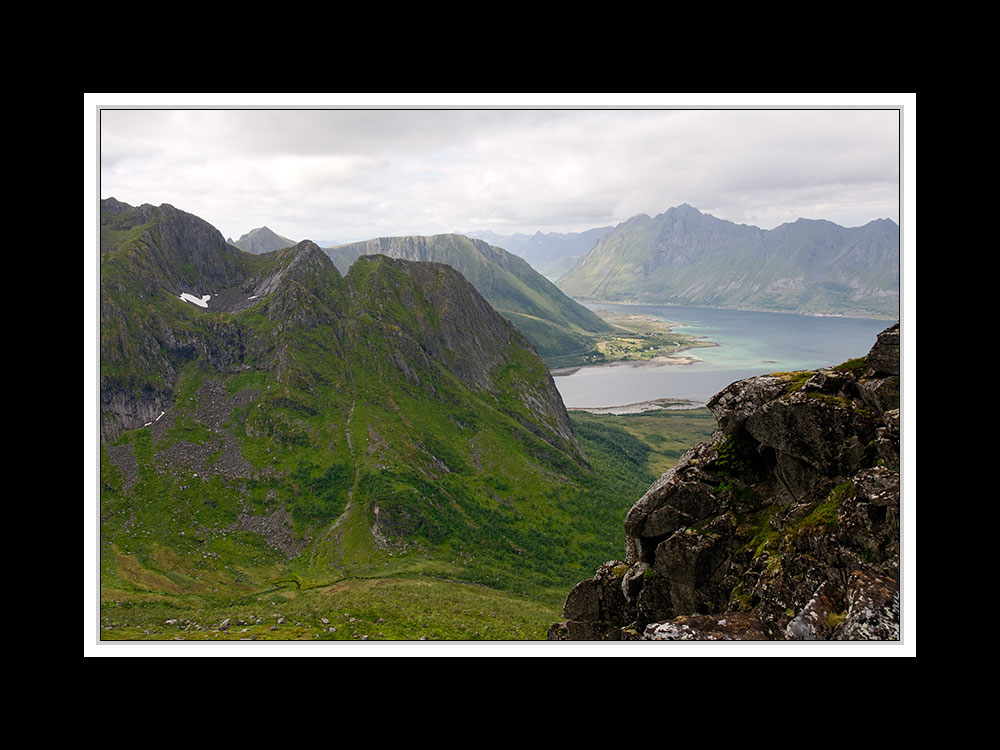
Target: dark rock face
{"x": 785, "y": 526}
{"x": 595, "y": 607}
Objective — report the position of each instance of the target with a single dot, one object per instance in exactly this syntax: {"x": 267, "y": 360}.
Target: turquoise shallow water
{"x": 749, "y": 343}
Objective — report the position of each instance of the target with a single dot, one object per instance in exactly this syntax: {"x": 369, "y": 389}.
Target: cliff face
{"x": 784, "y": 527}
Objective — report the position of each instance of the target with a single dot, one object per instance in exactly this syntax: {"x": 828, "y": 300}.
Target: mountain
{"x": 267, "y": 423}
{"x": 560, "y": 329}
{"x": 262, "y": 240}
{"x": 785, "y": 526}
{"x": 552, "y": 254}
{"x": 684, "y": 256}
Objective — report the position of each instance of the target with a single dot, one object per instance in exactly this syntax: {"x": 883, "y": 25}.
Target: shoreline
{"x": 657, "y": 404}
{"x": 643, "y": 325}
{"x": 871, "y": 316}
{"x": 662, "y": 361}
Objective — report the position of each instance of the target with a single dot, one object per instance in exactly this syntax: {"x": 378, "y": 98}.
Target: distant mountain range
{"x": 684, "y": 256}
{"x": 560, "y": 328}
{"x": 552, "y": 254}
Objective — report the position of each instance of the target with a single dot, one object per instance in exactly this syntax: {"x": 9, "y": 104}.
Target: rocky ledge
{"x": 785, "y": 526}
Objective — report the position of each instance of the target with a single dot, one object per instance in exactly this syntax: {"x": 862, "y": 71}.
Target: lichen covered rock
{"x": 784, "y": 526}
{"x": 873, "y": 608}
{"x": 737, "y": 626}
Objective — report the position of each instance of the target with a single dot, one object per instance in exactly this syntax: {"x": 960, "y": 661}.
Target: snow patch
{"x": 200, "y": 301}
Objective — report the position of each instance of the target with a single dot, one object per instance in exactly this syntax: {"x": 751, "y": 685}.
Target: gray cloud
{"x": 351, "y": 174}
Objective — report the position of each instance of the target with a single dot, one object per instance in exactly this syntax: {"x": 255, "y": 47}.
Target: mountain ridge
{"x": 684, "y": 256}
{"x": 189, "y": 257}
{"x": 559, "y": 328}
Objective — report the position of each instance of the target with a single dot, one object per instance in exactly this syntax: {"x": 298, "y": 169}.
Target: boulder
{"x": 884, "y": 357}
{"x": 596, "y": 609}
{"x": 734, "y": 403}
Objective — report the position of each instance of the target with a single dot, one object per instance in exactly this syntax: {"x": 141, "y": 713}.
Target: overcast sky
{"x": 345, "y": 175}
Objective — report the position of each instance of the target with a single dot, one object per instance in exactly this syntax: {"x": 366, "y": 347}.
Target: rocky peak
{"x": 784, "y": 526}
{"x": 168, "y": 249}
{"x": 262, "y": 240}
{"x": 684, "y": 209}
{"x": 307, "y": 254}
{"x": 114, "y": 206}
{"x": 301, "y": 285}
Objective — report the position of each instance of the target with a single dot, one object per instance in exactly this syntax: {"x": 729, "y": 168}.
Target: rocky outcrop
{"x": 785, "y": 526}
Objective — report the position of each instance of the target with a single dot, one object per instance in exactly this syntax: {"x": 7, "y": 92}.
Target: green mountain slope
{"x": 562, "y": 330}
{"x": 303, "y": 428}
{"x": 686, "y": 257}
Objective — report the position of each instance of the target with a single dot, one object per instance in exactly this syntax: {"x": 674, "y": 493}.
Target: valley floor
{"x": 412, "y": 608}
{"x": 413, "y": 599}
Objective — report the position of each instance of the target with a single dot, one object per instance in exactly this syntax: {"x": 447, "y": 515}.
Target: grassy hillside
{"x": 661, "y": 436}
{"x": 383, "y": 445}
{"x": 151, "y": 594}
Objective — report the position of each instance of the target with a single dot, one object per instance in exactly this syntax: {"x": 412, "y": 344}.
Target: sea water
{"x": 748, "y": 343}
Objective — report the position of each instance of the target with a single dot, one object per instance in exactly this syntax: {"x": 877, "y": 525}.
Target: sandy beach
{"x": 665, "y": 361}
